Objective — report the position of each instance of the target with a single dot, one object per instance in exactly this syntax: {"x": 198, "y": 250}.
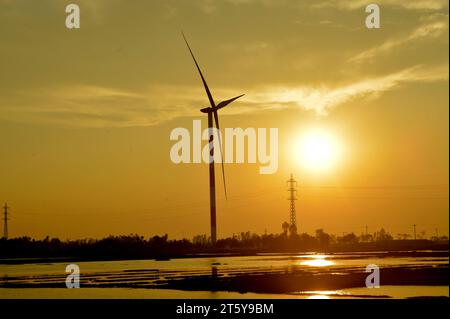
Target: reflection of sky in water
{"x": 151, "y": 273}
{"x": 317, "y": 261}
{"x": 388, "y": 291}
{"x": 88, "y": 293}
{"x": 225, "y": 264}
{"x": 319, "y": 297}
{"x": 320, "y": 294}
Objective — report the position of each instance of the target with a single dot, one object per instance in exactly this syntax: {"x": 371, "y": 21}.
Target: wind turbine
{"x": 212, "y": 111}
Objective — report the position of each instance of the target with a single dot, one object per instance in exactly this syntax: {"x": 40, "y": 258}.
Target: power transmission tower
{"x": 415, "y": 237}
{"x": 5, "y": 221}
{"x": 292, "y": 188}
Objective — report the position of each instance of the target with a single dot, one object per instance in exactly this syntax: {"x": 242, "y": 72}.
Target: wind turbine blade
{"x": 208, "y": 92}
{"x": 216, "y": 119}
{"x": 226, "y": 102}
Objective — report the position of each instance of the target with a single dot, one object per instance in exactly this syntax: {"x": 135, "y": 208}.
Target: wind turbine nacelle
{"x": 206, "y": 110}
{"x": 220, "y": 105}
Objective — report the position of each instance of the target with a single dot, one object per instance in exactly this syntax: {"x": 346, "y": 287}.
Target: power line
{"x": 270, "y": 194}
{"x": 379, "y": 186}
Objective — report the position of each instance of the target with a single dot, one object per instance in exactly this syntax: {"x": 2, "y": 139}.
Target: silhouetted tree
{"x": 349, "y": 239}
{"x": 382, "y": 235}
{"x": 292, "y": 230}
{"x": 323, "y": 239}
{"x": 285, "y": 227}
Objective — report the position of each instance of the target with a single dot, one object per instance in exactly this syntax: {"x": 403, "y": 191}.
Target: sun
{"x": 318, "y": 151}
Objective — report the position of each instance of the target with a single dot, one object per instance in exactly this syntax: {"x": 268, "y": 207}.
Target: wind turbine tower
{"x": 212, "y": 111}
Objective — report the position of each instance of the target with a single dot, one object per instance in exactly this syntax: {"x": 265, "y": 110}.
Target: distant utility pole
{"x": 292, "y": 184}
{"x": 437, "y": 234}
{"x": 415, "y": 237}
{"x": 367, "y": 230}
{"x": 5, "y": 221}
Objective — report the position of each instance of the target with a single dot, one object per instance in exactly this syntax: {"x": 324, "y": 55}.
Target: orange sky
{"x": 85, "y": 115}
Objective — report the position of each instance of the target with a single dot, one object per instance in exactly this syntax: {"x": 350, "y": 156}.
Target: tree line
{"x": 135, "y": 246}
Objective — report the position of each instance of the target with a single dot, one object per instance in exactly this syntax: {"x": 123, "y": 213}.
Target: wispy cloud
{"x": 321, "y": 100}
{"x": 89, "y": 106}
{"x": 410, "y": 4}
{"x": 431, "y": 29}
{"x": 92, "y": 106}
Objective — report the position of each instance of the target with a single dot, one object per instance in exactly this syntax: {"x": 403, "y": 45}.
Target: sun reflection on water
{"x": 321, "y": 294}
{"x": 319, "y": 297}
{"x": 317, "y": 261}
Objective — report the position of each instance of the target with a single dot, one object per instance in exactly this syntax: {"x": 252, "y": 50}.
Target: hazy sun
{"x": 318, "y": 150}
